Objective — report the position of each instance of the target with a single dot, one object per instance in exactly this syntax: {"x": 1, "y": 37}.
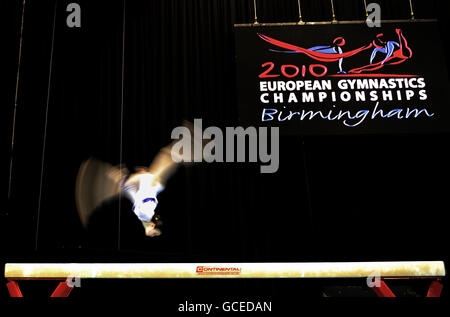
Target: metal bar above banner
{"x": 300, "y": 18}
{"x": 332, "y": 11}
{"x": 412, "y": 10}
{"x": 255, "y": 21}
{"x": 333, "y": 15}
{"x": 365, "y": 9}
{"x": 331, "y": 22}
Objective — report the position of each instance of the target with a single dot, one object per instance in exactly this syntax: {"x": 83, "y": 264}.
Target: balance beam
{"x": 373, "y": 271}
{"x": 224, "y": 270}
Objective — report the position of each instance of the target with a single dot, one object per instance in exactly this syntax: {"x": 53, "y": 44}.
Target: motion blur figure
{"x": 98, "y": 182}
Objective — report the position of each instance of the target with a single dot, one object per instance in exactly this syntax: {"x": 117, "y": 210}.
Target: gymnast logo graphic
{"x": 392, "y": 52}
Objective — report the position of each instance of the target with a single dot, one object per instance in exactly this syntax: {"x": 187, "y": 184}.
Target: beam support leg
{"x": 13, "y": 289}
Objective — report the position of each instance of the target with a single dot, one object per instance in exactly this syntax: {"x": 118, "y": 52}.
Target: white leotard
{"x": 142, "y": 190}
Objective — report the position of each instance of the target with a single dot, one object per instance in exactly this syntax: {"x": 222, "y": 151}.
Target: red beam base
{"x": 435, "y": 289}
{"x": 63, "y": 290}
{"x": 383, "y": 290}
{"x": 13, "y": 289}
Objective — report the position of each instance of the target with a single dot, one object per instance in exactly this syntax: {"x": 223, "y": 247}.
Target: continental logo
{"x": 217, "y": 270}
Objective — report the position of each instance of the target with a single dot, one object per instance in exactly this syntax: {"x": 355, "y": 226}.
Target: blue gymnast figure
{"x": 383, "y": 47}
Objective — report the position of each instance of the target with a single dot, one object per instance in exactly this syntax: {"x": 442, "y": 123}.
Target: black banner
{"x": 343, "y": 78}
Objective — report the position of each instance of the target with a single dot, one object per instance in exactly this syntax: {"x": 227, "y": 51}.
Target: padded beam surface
{"x": 224, "y": 270}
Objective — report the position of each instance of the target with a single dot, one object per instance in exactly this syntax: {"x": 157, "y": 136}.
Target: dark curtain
{"x": 333, "y": 198}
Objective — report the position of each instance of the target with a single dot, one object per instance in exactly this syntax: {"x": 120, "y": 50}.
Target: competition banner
{"x": 343, "y": 78}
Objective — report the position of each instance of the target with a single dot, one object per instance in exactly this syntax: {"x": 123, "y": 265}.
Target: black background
{"x": 334, "y": 198}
